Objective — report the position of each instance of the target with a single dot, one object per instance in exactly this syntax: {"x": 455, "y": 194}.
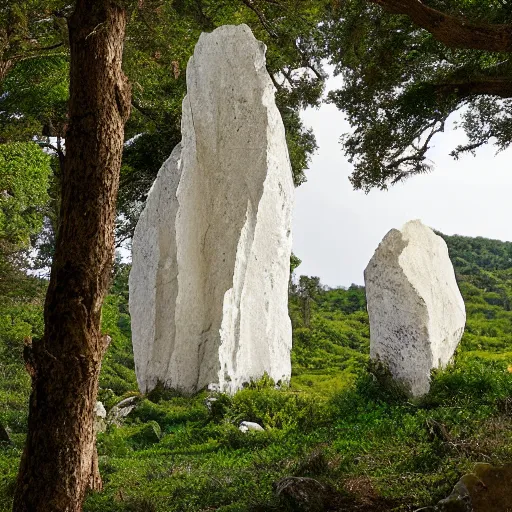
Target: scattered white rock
{"x": 100, "y": 424}
{"x": 246, "y": 426}
{"x": 121, "y": 410}
{"x": 417, "y": 313}
{"x": 100, "y": 410}
{"x": 211, "y": 251}
{"x": 210, "y": 402}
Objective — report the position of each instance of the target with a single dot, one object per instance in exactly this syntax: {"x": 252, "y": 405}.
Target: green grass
{"x": 341, "y": 421}
{"x": 411, "y": 452}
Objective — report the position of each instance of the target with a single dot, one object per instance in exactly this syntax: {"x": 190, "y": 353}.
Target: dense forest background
{"x": 341, "y": 420}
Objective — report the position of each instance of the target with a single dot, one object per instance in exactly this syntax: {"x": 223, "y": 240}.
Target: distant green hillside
{"x": 483, "y": 269}
{"x": 341, "y": 421}
{"x": 331, "y": 336}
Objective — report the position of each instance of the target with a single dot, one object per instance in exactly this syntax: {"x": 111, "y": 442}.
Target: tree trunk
{"x": 59, "y": 462}
{"x": 5, "y": 67}
{"x": 453, "y": 31}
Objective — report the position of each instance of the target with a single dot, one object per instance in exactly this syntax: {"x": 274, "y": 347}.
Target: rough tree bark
{"x": 453, "y": 31}
{"x": 59, "y": 462}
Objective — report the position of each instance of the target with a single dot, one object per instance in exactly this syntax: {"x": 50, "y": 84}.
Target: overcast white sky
{"x": 337, "y": 229}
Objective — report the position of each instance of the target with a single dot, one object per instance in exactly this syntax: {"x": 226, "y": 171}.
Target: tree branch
{"x": 120, "y": 240}
{"x": 50, "y": 146}
{"x": 307, "y": 63}
{"x": 261, "y": 17}
{"x": 144, "y": 111}
{"x": 454, "y": 32}
{"x": 276, "y": 85}
{"x": 470, "y": 148}
{"x": 46, "y": 48}
{"x": 32, "y": 53}
{"x": 499, "y": 86}
{"x": 62, "y": 156}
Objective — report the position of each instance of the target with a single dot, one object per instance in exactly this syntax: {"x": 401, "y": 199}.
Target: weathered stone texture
{"x": 486, "y": 489}
{"x": 208, "y": 288}
{"x": 417, "y": 313}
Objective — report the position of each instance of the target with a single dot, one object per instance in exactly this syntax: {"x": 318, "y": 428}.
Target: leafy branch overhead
{"x": 30, "y": 29}
{"x": 455, "y": 31}
{"x": 161, "y": 35}
{"x": 407, "y": 66}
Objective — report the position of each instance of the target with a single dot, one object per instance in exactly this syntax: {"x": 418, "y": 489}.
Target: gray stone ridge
{"x": 211, "y": 251}
{"x": 416, "y": 311}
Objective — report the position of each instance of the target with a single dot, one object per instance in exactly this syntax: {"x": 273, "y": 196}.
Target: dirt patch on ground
{"x": 362, "y": 497}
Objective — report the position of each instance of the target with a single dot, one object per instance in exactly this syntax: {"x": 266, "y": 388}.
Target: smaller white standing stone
{"x": 416, "y": 311}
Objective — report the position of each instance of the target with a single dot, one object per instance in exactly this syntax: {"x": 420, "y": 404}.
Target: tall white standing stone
{"x": 211, "y": 251}
{"x": 417, "y": 314}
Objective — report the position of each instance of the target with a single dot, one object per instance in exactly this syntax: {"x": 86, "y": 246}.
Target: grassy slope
{"x": 340, "y": 421}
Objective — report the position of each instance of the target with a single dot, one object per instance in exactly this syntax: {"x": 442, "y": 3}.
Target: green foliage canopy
{"x": 24, "y": 175}
{"x": 160, "y": 39}
{"x": 400, "y": 85}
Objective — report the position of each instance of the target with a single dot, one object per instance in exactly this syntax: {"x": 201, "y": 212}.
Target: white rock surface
{"x": 100, "y": 417}
{"x": 209, "y": 281}
{"x": 100, "y": 410}
{"x": 153, "y": 278}
{"x": 246, "y": 426}
{"x": 121, "y": 410}
{"x": 417, "y": 314}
